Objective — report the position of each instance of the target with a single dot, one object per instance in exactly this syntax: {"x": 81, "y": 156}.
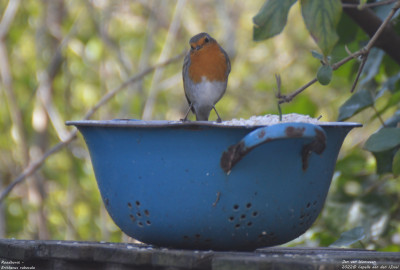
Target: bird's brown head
{"x": 200, "y": 41}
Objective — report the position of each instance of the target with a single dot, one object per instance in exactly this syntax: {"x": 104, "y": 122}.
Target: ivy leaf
{"x": 321, "y": 19}
{"x": 324, "y": 74}
{"x": 271, "y": 19}
{"x": 349, "y": 237}
{"x": 384, "y": 139}
{"x": 356, "y": 103}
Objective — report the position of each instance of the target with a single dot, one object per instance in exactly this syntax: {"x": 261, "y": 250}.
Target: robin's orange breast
{"x": 209, "y": 62}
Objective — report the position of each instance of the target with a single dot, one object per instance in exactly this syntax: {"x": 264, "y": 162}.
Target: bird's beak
{"x": 198, "y": 47}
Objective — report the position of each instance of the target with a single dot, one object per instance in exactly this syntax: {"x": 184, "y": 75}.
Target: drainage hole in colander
{"x": 236, "y": 207}
{"x": 132, "y": 217}
{"x": 129, "y": 205}
{"x": 139, "y": 214}
{"x": 147, "y": 213}
{"x": 137, "y": 203}
{"x": 185, "y": 237}
{"x": 254, "y": 214}
{"x": 250, "y": 224}
{"x": 248, "y": 205}
{"x": 237, "y": 226}
{"x": 243, "y": 216}
{"x": 148, "y": 222}
{"x": 308, "y": 205}
{"x": 315, "y": 203}
{"x": 140, "y": 224}
{"x": 231, "y": 218}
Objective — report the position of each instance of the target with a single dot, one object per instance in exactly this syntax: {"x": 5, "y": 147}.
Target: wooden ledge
{"x": 35, "y": 254}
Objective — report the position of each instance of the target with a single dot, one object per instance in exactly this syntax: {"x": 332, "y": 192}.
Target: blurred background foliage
{"x": 60, "y": 57}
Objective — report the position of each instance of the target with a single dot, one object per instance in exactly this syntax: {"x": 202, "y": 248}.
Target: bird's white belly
{"x": 206, "y": 93}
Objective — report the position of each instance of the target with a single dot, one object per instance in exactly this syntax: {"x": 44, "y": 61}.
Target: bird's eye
{"x": 192, "y": 47}
{"x": 206, "y": 40}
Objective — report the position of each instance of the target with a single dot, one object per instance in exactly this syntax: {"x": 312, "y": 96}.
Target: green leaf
{"x": 396, "y": 164}
{"x": 350, "y": 237}
{"x": 324, "y": 74}
{"x": 392, "y": 101}
{"x": 356, "y": 103}
{"x": 271, "y": 19}
{"x": 394, "y": 120}
{"x": 347, "y": 30}
{"x": 317, "y": 55}
{"x": 372, "y": 66}
{"x": 321, "y": 19}
{"x": 384, "y": 160}
{"x": 384, "y": 139}
{"x": 392, "y": 83}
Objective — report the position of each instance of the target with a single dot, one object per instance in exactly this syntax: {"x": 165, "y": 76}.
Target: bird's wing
{"x": 185, "y": 73}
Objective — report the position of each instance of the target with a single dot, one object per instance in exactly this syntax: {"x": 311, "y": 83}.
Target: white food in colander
{"x": 271, "y": 119}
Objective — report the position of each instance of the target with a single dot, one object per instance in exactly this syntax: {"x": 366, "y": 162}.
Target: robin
{"x": 205, "y": 75}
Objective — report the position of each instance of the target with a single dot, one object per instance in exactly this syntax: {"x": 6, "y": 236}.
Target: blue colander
{"x": 203, "y": 185}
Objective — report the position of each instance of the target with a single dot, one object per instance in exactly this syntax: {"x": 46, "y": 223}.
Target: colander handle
{"x": 280, "y": 131}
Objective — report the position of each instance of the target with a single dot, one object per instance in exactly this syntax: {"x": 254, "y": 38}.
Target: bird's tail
{"x": 203, "y": 113}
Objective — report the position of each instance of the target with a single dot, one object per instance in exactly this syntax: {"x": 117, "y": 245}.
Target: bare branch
{"x": 36, "y": 164}
{"x": 7, "y": 81}
{"x": 8, "y": 17}
{"x": 365, "y": 51}
{"x": 168, "y": 45}
{"x": 369, "y": 22}
{"x": 383, "y": 26}
{"x": 362, "y": 52}
{"x": 360, "y": 69}
{"x": 289, "y": 98}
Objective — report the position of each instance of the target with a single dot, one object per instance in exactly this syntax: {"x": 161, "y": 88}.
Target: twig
{"x": 36, "y": 164}
{"x": 131, "y": 80}
{"x": 383, "y": 26}
{"x": 362, "y": 52}
{"x": 360, "y": 69}
{"x": 279, "y": 93}
{"x": 7, "y": 80}
{"x": 368, "y": 5}
{"x": 340, "y": 63}
{"x": 378, "y": 115}
{"x": 100, "y": 23}
{"x": 289, "y": 98}
{"x": 168, "y": 45}
{"x": 8, "y": 17}
{"x": 335, "y": 66}
{"x": 365, "y": 51}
